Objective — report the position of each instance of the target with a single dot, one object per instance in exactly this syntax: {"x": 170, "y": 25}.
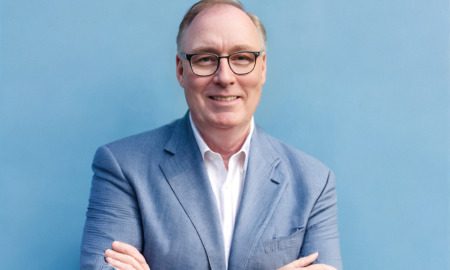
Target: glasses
{"x": 206, "y": 64}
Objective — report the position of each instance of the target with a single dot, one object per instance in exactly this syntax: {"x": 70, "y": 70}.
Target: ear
{"x": 180, "y": 71}
{"x": 263, "y": 68}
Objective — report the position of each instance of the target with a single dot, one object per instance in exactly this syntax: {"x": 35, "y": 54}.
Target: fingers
{"x": 320, "y": 267}
{"x": 302, "y": 262}
{"x": 120, "y": 265}
{"x": 305, "y": 261}
{"x": 128, "y": 250}
{"x": 124, "y": 257}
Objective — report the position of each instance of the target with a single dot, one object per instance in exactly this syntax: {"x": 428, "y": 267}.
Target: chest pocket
{"x": 293, "y": 240}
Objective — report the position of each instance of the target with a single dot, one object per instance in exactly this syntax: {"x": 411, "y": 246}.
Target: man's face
{"x": 222, "y": 29}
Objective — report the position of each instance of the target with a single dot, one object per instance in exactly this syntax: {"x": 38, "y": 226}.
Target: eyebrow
{"x": 209, "y": 49}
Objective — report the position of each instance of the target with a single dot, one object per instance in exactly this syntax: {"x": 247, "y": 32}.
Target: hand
{"x": 125, "y": 257}
{"x": 305, "y": 263}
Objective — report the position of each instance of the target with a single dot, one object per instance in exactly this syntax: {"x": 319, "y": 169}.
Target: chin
{"x": 227, "y": 122}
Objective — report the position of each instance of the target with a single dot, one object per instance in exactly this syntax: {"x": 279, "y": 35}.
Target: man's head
{"x": 223, "y": 99}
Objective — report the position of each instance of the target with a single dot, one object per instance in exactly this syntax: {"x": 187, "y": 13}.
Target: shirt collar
{"x": 204, "y": 148}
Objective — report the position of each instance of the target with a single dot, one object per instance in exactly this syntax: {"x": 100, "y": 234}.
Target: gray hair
{"x": 204, "y": 4}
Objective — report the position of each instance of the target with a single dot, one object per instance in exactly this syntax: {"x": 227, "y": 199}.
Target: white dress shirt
{"x": 226, "y": 185}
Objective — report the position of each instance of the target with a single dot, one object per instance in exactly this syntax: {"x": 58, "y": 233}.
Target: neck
{"x": 225, "y": 142}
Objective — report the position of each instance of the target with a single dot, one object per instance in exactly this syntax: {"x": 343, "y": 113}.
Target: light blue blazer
{"x": 152, "y": 191}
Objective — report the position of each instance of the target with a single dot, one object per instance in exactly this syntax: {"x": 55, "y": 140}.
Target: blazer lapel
{"x": 264, "y": 184}
{"x": 186, "y": 174}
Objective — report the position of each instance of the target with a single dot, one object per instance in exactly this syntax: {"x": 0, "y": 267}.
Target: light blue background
{"x": 362, "y": 85}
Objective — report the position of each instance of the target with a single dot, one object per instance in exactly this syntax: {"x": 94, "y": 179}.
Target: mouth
{"x": 224, "y": 98}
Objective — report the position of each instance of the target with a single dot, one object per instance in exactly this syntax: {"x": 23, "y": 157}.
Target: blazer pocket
{"x": 285, "y": 242}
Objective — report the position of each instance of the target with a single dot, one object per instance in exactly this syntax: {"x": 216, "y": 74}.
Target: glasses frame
{"x": 188, "y": 56}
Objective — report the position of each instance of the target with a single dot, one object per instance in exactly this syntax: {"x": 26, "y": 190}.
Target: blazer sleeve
{"x": 322, "y": 229}
{"x": 112, "y": 214}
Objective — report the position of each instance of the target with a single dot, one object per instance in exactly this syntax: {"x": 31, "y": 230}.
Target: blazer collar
{"x": 186, "y": 174}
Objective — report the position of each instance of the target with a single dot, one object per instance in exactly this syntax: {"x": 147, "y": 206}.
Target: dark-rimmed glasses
{"x": 206, "y": 64}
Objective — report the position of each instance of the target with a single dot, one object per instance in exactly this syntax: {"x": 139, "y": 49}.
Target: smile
{"x": 224, "y": 98}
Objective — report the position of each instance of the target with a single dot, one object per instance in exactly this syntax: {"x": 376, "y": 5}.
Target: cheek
{"x": 190, "y": 95}
{"x": 193, "y": 90}
{"x": 254, "y": 91}
{"x": 196, "y": 85}
{"x": 256, "y": 97}
{"x": 254, "y": 86}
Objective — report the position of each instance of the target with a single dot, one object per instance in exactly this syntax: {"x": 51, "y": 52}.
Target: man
{"x": 211, "y": 190}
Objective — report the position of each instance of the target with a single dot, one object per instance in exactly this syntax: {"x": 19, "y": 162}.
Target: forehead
{"x": 222, "y": 28}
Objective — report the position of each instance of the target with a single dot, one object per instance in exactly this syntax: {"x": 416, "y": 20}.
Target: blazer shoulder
{"x": 136, "y": 154}
{"x": 292, "y": 156}
{"x": 151, "y": 139}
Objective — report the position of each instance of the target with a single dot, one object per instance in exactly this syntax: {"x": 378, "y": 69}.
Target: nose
{"x": 224, "y": 75}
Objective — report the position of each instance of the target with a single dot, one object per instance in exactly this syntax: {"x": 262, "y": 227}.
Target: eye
{"x": 204, "y": 60}
{"x": 243, "y": 58}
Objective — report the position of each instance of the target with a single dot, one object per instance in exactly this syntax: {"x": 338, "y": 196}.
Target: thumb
{"x": 305, "y": 261}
